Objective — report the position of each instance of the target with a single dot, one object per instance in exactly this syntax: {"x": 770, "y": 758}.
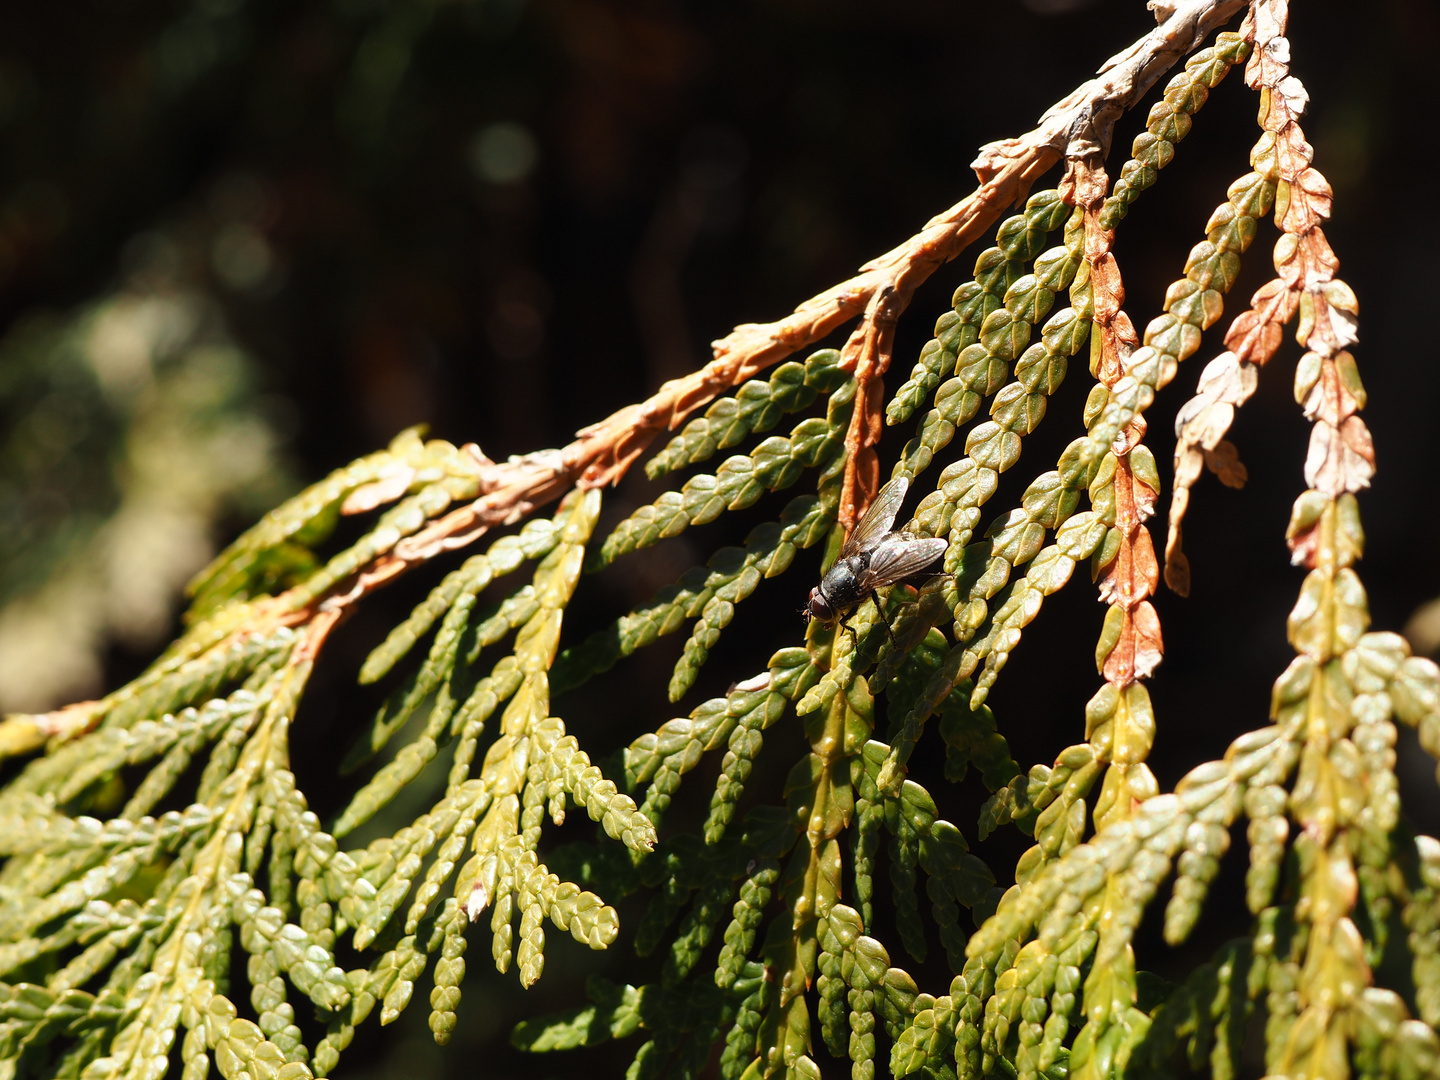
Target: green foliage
{"x": 119, "y": 919}
{"x": 755, "y": 406}
{"x": 132, "y": 426}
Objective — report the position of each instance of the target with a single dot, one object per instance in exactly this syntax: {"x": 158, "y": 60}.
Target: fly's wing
{"x": 878, "y": 519}
{"x": 897, "y": 557}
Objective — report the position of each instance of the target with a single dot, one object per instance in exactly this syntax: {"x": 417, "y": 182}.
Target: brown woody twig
{"x": 1077, "y": 128}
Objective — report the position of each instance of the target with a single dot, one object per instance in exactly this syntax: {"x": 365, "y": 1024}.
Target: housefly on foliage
{"x": 873, "y": 557}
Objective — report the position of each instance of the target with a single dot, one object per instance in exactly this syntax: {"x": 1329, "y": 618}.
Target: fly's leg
{"x": 854, "y": 637}
{"x": 885, "y": 621}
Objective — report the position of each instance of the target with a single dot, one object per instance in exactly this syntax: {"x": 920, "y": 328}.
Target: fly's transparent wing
{"x": 878, "y": 519}
{"x": 897, "y": 557}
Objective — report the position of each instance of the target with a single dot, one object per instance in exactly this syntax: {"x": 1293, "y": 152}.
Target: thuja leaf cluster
{"x": 215, "y": 934}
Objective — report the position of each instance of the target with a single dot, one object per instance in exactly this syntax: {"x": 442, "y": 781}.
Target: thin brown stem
{"x": 1077, "y": 128}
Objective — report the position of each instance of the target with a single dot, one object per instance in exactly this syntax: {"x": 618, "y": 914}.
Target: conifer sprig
{"x": 163, "y": 825}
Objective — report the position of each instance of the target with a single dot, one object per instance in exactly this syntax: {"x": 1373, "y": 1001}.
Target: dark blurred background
{"x": 244, "y": 241}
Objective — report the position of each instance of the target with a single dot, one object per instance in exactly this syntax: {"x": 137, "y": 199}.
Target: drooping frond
{"x": 764, "y": 911}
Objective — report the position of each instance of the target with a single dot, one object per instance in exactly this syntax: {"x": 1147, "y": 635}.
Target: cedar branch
{"x": 1079, "y": 126}
{"x": 1341, "y": 456}
{"x": 1130, "y": 578}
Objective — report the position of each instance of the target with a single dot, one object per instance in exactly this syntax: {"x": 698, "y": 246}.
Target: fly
{"x": 874, "y": 556}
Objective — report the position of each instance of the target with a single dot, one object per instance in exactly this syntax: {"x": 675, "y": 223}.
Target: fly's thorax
{"x": 841, "y": 584}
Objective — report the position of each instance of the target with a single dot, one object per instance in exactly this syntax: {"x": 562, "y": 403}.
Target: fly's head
{"x": 819, "y": 607}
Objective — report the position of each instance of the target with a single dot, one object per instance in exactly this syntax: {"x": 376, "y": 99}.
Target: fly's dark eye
{"x": 819, "y": 607}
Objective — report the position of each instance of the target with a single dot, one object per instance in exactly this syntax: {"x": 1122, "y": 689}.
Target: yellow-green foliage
{"x": 119, "y": 924}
